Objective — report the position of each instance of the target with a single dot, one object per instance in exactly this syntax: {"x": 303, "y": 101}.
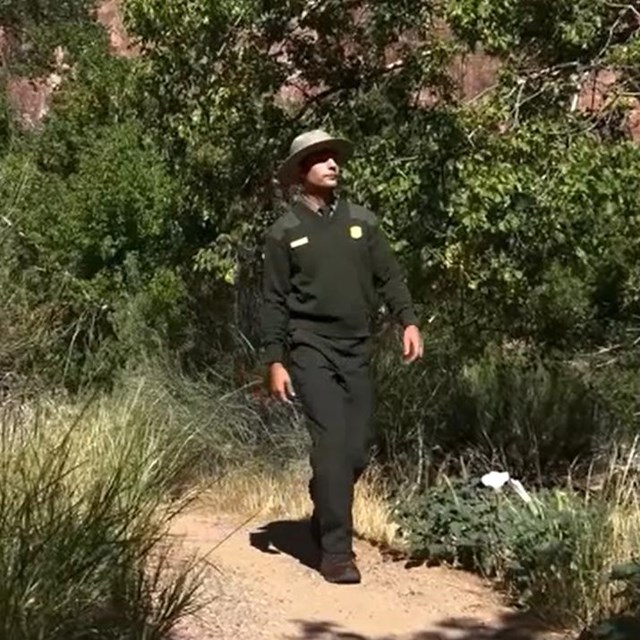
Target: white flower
{"x": 520, "y": 490}
{"x": 495, "y": 479}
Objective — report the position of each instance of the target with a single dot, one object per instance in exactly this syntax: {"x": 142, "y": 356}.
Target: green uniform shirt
{"x": 323, "y": 273}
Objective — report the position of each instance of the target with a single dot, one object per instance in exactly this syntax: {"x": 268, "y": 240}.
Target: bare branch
{"x": 322, "y": 95}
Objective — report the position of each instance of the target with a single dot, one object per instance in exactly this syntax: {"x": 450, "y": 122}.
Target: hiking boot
{"x": 314, "y": 526}
{"x": 340, "y": 570}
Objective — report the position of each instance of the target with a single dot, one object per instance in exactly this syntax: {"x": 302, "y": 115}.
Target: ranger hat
{"x": 306, "y": 144}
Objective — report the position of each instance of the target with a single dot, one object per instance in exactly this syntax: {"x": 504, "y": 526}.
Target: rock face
{"x": 599, "y": 89}
{"x": 29, "y": 98}
{"x": 110, "y": 17}
{"x": 474, "y": 73}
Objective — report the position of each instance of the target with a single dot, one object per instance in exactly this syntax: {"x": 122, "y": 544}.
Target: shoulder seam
{"x": 362, "y": 213}
{"x": 286, "y": 221}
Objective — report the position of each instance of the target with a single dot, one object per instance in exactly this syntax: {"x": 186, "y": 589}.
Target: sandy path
{"x": 260, "y": 586}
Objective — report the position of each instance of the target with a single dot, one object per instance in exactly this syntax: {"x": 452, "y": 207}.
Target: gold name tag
{"x": 299, "y": 242}
{"x": 355, "y": 232}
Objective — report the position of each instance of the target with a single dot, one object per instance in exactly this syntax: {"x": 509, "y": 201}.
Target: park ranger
{"x": 326, "y": 262}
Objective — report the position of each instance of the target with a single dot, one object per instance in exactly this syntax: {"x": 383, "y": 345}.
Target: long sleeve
{"x": 389, "y": 279}
{"x": 276, "y": 286}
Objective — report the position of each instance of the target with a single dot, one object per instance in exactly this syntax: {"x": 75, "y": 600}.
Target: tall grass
{"x": 263, "y": 492}
{"x": 83, "y": 518}
{"x": 246, "y": 454}
{"x": 221, "y": 427}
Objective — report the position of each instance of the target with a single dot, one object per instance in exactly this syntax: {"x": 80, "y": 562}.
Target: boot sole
{"x": 343, "y": 580}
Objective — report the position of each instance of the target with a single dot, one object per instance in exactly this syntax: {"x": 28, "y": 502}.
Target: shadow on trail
{"x": 510, "y": 627}
{"x": 291, "y": 537}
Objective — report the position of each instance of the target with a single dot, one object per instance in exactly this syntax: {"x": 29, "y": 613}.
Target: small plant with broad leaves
{"x": 547, "y": 551}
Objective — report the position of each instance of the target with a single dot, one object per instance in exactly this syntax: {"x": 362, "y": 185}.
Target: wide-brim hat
{"x": 306, "y": 144}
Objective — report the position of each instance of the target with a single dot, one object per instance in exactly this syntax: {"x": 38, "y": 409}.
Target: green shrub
{"x": 556, "y": 560}
{"x": 454, "y": 522}
{"x": 91, "y": 252}
{"x": 509, "y": 404}
{"x": 549, "y": 555}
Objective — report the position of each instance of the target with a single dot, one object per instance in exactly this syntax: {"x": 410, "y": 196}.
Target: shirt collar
{"x": 328, "y": 210}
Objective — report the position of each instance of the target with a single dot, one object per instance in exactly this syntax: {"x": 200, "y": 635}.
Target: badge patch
{"x": 355, "y": 232}
{"x": 299, "y": 242}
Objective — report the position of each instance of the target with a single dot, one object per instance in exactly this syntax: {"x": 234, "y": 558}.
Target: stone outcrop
{"x": 109, "y": 16}
{"x": 29, "y": 98}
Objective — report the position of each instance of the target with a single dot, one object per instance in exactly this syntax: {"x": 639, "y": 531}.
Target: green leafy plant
{"x": 455, "y": 522}
{"x": 548, "y": 553}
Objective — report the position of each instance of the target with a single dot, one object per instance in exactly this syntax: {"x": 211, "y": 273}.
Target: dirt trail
{"x": 261, "y": 586}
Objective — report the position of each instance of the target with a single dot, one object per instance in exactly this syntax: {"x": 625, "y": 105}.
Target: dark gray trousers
{"x": 332, "y": 380}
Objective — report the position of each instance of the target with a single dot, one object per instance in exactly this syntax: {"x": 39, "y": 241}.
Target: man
{"x": 325, "y": 261}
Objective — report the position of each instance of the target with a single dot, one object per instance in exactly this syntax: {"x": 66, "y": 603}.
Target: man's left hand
{"x": 412, "y": 344}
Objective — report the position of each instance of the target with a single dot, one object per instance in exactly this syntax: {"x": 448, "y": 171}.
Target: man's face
{"x": 320, "y": 170}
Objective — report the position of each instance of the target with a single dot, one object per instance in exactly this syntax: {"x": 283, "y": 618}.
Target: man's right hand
{"x": 280, "y": 385}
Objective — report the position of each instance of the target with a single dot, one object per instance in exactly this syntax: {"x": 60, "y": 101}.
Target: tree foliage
{"x": 514, "y": 213}
{"x": 35, "y": 28}
{"x": 133, "y": 220}
{"x": 213, "y": 85}
{"x": 489, "y": 199}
